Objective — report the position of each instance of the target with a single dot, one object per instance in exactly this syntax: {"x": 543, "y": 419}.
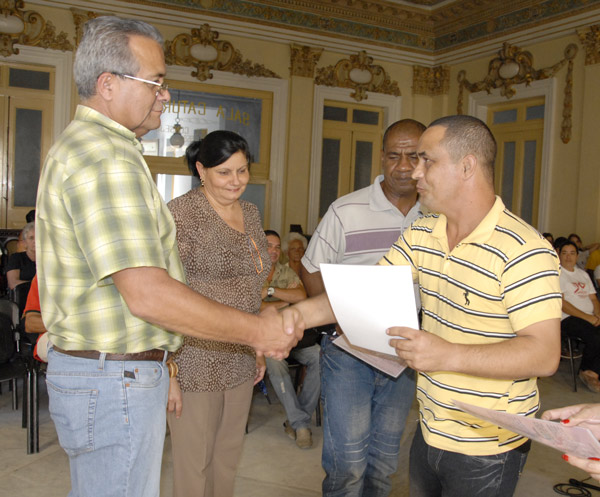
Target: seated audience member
{"x": 581, "y": 313}
{"x": 21, "y": 265}
{"x": 584, "y": 252}
{"x": 558, "y": 243}
{"x": 284, "y": 287}
{"x": 35, "y": 329}
{"x": 294, "y": 245}
{"x": 593, "y": 261}
{"x": 549, "y": 237}
{"x": 30, "y": 216}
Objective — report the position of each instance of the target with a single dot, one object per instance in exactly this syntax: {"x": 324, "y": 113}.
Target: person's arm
{"x": 152, "y": 295}
{"x": 175, "y": 400}
{"x": 34, "y": 323}
{"x": 596, "y": 304}
{"x": 535, "y": 351}
{"x": 571, "y": 310}
{"x": 313, "y": 282}
{"x": 13, "y": 278}
{"x": 285, "y": 295}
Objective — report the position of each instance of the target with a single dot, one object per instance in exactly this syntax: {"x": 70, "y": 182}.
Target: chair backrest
{"x": 8, "y": 342}
{"x": 11, "y": 309}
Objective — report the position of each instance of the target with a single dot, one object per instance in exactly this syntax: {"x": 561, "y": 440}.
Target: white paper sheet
{"x": 576, "y": 441}
{"x": 367, "y": 300}
{"x": 392, "y": 366}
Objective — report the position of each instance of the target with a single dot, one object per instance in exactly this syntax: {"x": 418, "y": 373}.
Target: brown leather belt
{"x": 146, "y": 355}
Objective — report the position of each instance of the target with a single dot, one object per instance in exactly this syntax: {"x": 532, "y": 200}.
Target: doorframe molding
{"x": 391, "y": 113}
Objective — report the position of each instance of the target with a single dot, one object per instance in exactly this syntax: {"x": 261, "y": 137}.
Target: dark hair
{"x": 272, "y": 233}
{"x": 214, "y": 149}
{"x": 574, "y": 235}
{"x": 559, "y": 241}
{"x": 568, "y": 242}
{"x": 30, "y": 216}
{"x": 404, "y": 125}
{"x": 467, "y": 135}
{"x": 546, "y": 235}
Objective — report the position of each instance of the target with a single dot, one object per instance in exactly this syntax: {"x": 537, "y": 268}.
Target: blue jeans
{"x": 364, "y": 413}
{"x": 299, "y": 408}
{"x": 110, "y": 419}
{"x": 435, "y": 472}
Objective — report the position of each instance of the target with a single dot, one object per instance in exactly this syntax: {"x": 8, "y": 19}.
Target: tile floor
{"x": 271, "y": 465}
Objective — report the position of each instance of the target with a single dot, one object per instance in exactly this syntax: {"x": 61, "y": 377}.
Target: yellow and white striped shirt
{"x": 501, "y": 278}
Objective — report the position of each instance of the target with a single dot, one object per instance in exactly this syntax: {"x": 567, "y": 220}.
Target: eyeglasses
{"x": 250, "y": 239}
{"x": 162, "y": 87}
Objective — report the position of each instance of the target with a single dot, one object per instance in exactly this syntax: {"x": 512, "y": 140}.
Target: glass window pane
{"x": 365, "y": 117}
{"x": 330, "y": 161}
{"x": 33, "y": 80}
{"x": 505, "y": 116}
{"x": 335, "y": 113}
{"x": 28, "y": 140}
{"x": 508, "y": 174}
{"x": 362, "y": 166}
{"x": 200, "y": 113}
{"x": 528, "y": 180}
{"x": 534, "y": 112}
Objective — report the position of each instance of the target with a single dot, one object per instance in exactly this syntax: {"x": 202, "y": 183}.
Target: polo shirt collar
{"x": 87, "y": 114}
{"x": 379, "y": 202}
{"x": 484, "y": 230}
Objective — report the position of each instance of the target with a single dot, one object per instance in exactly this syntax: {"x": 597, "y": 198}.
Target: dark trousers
{"x": 590, "y": 334}
{"x": 441, "y": 473}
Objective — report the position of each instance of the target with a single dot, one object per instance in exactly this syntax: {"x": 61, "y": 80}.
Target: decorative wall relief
{"x": 27, "y": 27}
{"x": 303, "y": 60}
{"x": 514, "y": 66}
{"x": 205, "y": 53}
{"x": 359, "y": 73}
{"x": 431, "y": 81}
{"x": 590, "y": 39}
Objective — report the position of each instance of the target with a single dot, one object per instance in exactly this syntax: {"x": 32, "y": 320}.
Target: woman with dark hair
{"x": 224, "y": 253}
{"x": 581, "y": 313}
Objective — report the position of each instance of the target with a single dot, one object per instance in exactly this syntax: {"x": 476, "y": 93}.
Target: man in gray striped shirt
{"x": 364, "y": 410}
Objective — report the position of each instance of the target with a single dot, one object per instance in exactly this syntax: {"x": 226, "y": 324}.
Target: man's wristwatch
{"x": 270, "y": 291}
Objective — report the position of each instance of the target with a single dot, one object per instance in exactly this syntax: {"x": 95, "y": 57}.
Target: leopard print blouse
{"x": 223, "y": 264}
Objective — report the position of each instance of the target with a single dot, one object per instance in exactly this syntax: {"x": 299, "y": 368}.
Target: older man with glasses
{"x": 111, "y": 282}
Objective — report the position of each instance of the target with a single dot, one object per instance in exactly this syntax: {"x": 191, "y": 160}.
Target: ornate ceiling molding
{"x": 202, "y": 51}
{"x": 27, "y": 27}
{"x": 359, "y": 73}
{"x": 80, "y": 17}
{"x": 431, "y": 81}
{"x": 590, "y": 39}
{"x": 303, "y": 60}
{"x": 514, "y": 66}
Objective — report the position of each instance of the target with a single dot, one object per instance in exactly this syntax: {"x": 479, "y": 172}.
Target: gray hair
{"x": 104, "y": 47}
{"x": 285, "y": 243}
{"x": 28, "y": 227}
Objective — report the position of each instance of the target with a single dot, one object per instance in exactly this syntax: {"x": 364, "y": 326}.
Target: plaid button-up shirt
{"x": 99, "y": 212}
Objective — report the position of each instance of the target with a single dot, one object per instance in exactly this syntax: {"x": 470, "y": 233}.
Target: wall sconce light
{"x": 205, "y": 52}
{"x": 27, "y": 28}
{"x": 359, "y": 73}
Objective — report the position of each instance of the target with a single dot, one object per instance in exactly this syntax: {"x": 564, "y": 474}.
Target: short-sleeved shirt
{"x": 577, "y": 287}
{"x": 99, "y": 212}
{"x": 500, "y": 279}
{"x": 33, "y": 298}
{"x": 358, "y": 228}
{"x": 283, "y": 277}
{"x": 593, "y": 260}
{"x": 23, "y": 264}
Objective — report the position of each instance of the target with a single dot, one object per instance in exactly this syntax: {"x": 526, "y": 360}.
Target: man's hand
{"x": 279, "y": 332}
{"x": 261, "y": 367}
{"x": 175, "y": 402}
{"x": 422, "y": 351}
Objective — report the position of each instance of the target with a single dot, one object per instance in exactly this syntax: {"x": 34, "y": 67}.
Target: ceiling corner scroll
{"x": 514, "y": 66}
{"x": 205, "y": 52}
{"x": 359, "y": 73}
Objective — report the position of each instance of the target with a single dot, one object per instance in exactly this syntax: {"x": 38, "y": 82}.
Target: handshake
{"x": 279, "y": 331}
